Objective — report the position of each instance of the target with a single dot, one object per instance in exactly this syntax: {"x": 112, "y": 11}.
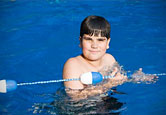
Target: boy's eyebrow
{"x": 87, "y": 38}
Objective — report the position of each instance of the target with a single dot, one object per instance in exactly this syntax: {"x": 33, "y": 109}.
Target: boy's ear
{"x": 80, "y": 38}
{"x": 108, "y": 42}
{"x": 80, "y": 45}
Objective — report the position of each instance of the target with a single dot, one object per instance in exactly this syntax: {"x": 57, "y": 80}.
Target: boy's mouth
{"x": 94, "y": 51}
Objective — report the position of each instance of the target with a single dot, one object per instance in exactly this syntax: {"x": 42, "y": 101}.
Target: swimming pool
{"x": 37, "y": 37}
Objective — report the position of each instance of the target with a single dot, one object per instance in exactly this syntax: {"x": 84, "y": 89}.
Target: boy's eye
{"x": 90, "y": 39}
{"x": 101, "y": 39}
{"x": 86, "y": 38}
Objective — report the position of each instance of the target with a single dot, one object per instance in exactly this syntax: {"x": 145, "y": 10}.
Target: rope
{"x": 106, "y": 77}
{"x": 73, "y": 79}
{"x": 46, "y": 82}
{"x": 159, "y": 74}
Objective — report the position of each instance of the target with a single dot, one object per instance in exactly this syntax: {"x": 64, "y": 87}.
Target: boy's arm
{"x": 93, "y": 90}
{"x": 76, "y": 90}
{"x": 71, "y": 70}
{"x": 141, "y": 77}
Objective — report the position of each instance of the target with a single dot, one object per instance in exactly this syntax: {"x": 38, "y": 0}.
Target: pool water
{"x": 37, "y": 37}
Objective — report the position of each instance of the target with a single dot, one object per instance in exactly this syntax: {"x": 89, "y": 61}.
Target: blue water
{"x": 37, "y": 37}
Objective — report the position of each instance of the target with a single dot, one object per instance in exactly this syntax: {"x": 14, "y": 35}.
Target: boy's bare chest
{"x": 86, "y": 67}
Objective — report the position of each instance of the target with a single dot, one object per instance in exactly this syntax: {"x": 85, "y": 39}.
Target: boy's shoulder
{"x": 109, "y": 59}
{"x": 71, "y": 68}
{"x": 109, "y": 56}
{"x": 71, "y": 61}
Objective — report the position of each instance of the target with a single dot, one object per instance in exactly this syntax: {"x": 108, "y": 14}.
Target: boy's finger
{"x": 114, "y": 72}
{"x": 140, "y": 69}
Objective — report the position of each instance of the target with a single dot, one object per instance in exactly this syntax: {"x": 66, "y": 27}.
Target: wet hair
{"x": 95, "y": 25}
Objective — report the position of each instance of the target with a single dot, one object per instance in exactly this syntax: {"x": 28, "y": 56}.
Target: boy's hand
{"x": 139, "y": 77}
{"x": 118, "y": 77}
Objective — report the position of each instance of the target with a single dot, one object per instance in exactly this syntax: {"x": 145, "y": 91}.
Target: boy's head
{"x": 95, "y": 26}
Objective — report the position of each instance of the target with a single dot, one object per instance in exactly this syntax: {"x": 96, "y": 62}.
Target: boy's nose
{"x": 94, "y": 44}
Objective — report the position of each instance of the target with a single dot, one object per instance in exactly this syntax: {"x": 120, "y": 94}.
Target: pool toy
{"x": 7, "y": 85}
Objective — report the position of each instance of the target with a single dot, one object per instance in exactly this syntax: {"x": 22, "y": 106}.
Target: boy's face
{"x": 94, "y": 47}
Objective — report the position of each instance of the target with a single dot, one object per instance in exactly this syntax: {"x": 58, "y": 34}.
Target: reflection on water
{"x": 101, "y": 104}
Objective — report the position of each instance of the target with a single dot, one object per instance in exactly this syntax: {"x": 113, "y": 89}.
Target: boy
{"x": 94, "y": 41}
